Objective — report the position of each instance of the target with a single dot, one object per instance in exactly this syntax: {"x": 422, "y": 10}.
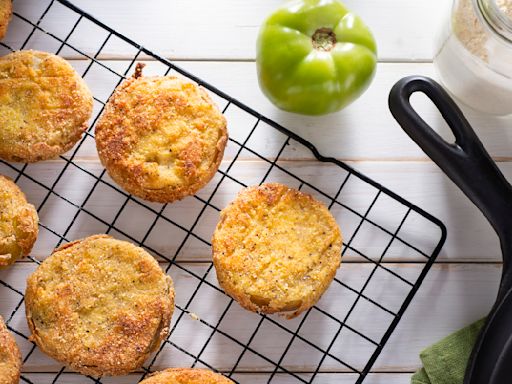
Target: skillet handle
{"x": 466, "y": 162}
{"x": 468, "y": 165}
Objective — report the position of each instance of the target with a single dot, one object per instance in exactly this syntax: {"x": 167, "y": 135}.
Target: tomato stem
{"x": 324, "y": 39}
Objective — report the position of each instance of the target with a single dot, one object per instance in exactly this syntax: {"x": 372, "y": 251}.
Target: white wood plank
{"x": 470, "y": 237}
{"x": 224, "y": 29}
{"x": 452, "y": 296}
{"x": 364, "y": 131}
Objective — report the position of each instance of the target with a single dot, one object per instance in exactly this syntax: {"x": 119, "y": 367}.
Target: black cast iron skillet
{"x": 468, "y": 165}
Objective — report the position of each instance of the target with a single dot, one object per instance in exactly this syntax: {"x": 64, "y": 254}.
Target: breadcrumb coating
{"x": 161, "y": 138}
{"x": 18, "y": 223}
{"x": 45, "y": 106}
{"x": 186, "y": 376}
{"x": 10, "y": 357}
{"x": 99, "y": 305}
{"x": 5, "y": 16}
{"x": 276, "y": 249}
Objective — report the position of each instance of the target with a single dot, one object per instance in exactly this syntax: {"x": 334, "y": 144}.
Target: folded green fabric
{"x": 445, "y": 362}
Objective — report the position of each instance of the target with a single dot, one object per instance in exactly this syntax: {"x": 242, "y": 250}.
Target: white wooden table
{"x": 216, "y": 41}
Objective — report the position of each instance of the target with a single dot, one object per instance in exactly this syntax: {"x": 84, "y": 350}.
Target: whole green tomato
{"x": 315, "y": 57}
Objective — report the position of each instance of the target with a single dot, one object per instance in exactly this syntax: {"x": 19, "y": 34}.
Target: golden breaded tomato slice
{"x": 10, "y": 357}
{"x": 186, "y": 376}
{"x": 161, "y": 138}
{"x": 5, "y": 16}
{"x": 45, "y": 106}
{"x": 276, "y": 249}
{"x": 99, "y": 305}
{"x": 18, "y": 223}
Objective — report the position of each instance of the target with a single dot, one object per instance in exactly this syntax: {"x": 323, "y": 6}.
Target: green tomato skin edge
{"x": 298, "y": 77}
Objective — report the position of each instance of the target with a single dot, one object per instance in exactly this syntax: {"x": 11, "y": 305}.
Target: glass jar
{"x": 474, "y": 54}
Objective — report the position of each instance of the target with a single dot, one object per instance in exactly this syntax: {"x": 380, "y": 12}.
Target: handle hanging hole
{"x": 430, "y": 113}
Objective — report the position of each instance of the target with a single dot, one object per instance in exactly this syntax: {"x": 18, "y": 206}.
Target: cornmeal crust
{"x": 5, "y": 16}
{"x": 18, "y": 223}
{"x": 161, "y": 138}
{"x": 44, "y": 106}
{"x": 10, "y": 357}
{"x": 186, "y": 376}
{"x": 276, "y": 249}
{"x": 99, "y": 305}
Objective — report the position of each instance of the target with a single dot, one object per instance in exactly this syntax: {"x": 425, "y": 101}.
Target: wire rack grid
{"x": 336, "y": 335}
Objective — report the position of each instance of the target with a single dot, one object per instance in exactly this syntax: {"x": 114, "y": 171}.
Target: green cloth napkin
{"x": 445, "y": 362}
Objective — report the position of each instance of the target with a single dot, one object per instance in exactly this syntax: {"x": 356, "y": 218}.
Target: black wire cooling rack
{"x": 210, "y": 330}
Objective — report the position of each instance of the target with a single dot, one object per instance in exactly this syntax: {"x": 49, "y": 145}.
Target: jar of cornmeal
{"x": 473, "y": 56}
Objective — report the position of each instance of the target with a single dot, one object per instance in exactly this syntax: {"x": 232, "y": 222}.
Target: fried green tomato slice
{"x": 186, "y": 376}
{"x": 45, "y": 106}
{"x": 10, "y": 357}
{"x": 161, "y": 138}
{"x": 18, "y": 223}
{"x": 5, "y": 16}
{"x": 99, "y": 305}
{"x": 276, "y": 249}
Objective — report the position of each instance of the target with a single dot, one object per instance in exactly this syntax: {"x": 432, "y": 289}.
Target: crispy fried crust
{"x": 18, "y": 223}
{"x": 276, "y": 249}
{"x": 44, "y": 106}
{"x": 10, "y": 357}
{"x": 5, "y": 16}
{"x": 161, "y": 138}
{"x": 99, "y": 305}
{"x": 186, "y": 376}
